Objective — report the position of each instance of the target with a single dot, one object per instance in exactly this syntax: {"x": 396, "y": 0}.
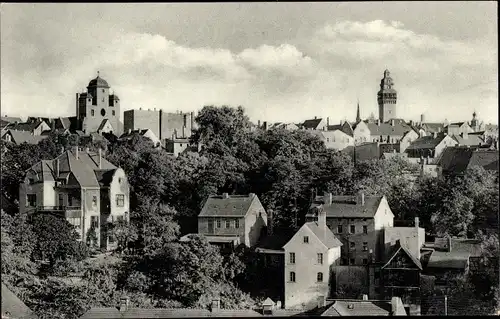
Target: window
{"x": 31, "y": 181}
{"x": 365, "y": 261}
{"x": 319, "y": 277}
{"x": 320, "y": 258}
{"x": 292, "y": 276}
{"x": 339, "y": 229}
{"x": 218, "y": 223}
{"x": 236, "y": 223}
{"x": 120, "y": 200}
{"x": 352, "y": 261}
{"x": 344, "y": 261}
{"x": 111, "y": 239}
{"x": 103, "y": 111}
{"x": 92, "y": 112}
{"x": 292, "y": 258}
{"x": 365, "y": 246}
{"x": 365, "y": 229}
{"x": 103, "y": 99}
{"x": 352, "y": 229}
{"x": 113, "y": 112}
{"x": 120, "y": 180}
{"x": 75, "y": 221}
{"x": 94, "y": 201}
{"x": 306, "y": 239}
{"x": 94, "y": 221}
{"x": 31, "y": 200}
{"x": 227, "y": 224}
{"x": 102, "y": 90}
{"x": 352, "y": 245}
{"x": 70, "y": 200}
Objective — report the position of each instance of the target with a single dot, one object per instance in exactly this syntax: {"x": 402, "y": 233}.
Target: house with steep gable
{"x": 458, "y": 128}
{"x": 82, "y": 187}
{"x": 358, "y": 222}
{"x": 314, "y": 124}
{"x": 232, "y": 219}
{"x": 309, "y": 257}
{"x": 429, "y": 147}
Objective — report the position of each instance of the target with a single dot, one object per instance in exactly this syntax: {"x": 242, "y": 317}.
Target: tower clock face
{"x": 103, "y": 112}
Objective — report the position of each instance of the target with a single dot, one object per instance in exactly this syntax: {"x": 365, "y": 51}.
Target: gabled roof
{"x": 401, "y": 248}
{"x": 426, "y": 142}
{"x": 458, "y": 159}
{"x": 20, "y": 137}
{"x": 386, "y": 129}
{"x": 114, "y": 312}
{"x": 471, "y": 140}
{"x": 103, "y": 124}
{"x": 433, "y": 127}
{"x": 27, "y": 126}
{"x": 456, "y": 124}
{"x": 458, "y": 257}
{"x": 325, "y": 235}
{"x": 14, "y": 306}
{"x": 358, "y": 308}
{"x": 311, "y": 124}
{"x": 487, "y": 159}
{"x": 277, "y": 240}
{"x": 233, "y": 205}
{"x": 11, "y": 119}
{"x": 348, "y": 207}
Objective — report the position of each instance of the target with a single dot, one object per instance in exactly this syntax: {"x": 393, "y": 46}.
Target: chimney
{"x": 100, "y": 158}
{"x": 396, "y": 306}
{"x": 315, "y": 117}
{"x": 321, "y": 301}
{"x": 215, "y": 305}
{"x": 328, "y": 121}
{"x": 258, "y": 123}
{"x": 417, "y": 222}
{"x": 57, "y": 167}
{"x": 434, "y": 134}
{"x": 225, "y": 195}
{"x": 322, "y": 218}
{"x": 124, "y": 304}
{"x": 362, "y": 198}
{"x": 422, "y": 118}
{"x": 270, "y": 222}
{"x": 365, "y": 297}
{"x": 411, "y": 122}
{"x": 264, "y": 125}
{"x": 327, "y": 198}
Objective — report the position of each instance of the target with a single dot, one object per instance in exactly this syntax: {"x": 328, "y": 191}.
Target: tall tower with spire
{"x": 474, "y": 124}
{"x": 358, "y": 115}
{"x": 386, "y": 98}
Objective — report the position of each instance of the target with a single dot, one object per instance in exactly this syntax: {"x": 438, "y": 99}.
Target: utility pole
{"x": 445, "y": 305}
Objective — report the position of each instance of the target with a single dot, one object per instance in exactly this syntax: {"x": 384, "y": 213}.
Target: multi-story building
{"x": 97, "y": 110}
{"x": 164, "y": 125}
{"x": 232, "y": 219}
{"x": 386, "y": 98}
{"x": 82, "y": 187}
{"x": 359, "y": 222}
{"x": 309, "y": 257}
{"x": 177, "y": 146}
{"x": 429, "y": 147}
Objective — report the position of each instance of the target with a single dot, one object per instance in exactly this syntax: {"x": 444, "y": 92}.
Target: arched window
{"x": 292, "y": 276}
{"x": 319, "y": 277}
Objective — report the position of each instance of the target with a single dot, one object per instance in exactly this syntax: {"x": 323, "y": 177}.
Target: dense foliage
{"x": 286, "y": 169}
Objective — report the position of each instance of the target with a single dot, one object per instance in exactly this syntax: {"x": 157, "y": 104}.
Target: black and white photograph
{"x": 249, "y": 159}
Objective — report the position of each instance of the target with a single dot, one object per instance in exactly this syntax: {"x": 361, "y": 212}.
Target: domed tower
{"x": 98, "y": 111}
{"x": 474, "y": 124}
{"x": 386, "y": 98}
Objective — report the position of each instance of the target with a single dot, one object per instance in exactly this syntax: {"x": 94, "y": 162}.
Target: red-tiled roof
{"x": 234, "y": 205}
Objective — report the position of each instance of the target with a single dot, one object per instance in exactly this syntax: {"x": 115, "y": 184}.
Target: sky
{"x": 283, "y": 62}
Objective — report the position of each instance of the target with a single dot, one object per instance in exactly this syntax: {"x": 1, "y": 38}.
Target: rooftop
{"x": 351, "y": 206}
{"x": 227, "y": 205}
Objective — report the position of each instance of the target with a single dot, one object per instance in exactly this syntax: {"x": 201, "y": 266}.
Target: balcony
{"x": 68, "y": 211}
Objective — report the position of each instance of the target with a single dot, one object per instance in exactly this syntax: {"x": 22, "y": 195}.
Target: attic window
{"x": 306, "y": 239}
{"x": 350, "y": 306}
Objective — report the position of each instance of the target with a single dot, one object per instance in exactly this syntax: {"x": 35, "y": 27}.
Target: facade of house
{"x": 309, "y": 257}
{"x": 148, "y": 133}
{"x": 359, "y": 223}
{"x": 177, "y": 146}
{"x": 407, "y": 139}
{"x": 314, "y": 124}
{"x": 237, "y": 219}
{"x": 20, "y": 137}
{"x": 335, "y": 140}
{"x": 429, "y": 146}
{"x": 458, "y": 128}
{"x": 82, "y": 187}
{"x": 163, "y": 124}
{"x": 97, "y": 109}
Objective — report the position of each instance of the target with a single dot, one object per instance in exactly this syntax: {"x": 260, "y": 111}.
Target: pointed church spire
{"x": 358, "y": 116}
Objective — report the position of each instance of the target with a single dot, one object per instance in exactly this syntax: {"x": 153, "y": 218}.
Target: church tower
{"x": 474, "y": 124}
{"x": 386, "y": 98}
{"x": 358, "y": 115}
{"x": 97, "y": 110}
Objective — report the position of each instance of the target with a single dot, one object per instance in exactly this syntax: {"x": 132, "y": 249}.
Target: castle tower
{"x": 97, "y": 110}
{"x": 386, "y": 98}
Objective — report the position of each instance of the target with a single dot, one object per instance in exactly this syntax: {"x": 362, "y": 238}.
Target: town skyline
{"x": 285, "y": 73}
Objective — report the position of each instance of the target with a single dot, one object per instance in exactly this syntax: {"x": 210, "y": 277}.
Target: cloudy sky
{"x": 281, "y": 61}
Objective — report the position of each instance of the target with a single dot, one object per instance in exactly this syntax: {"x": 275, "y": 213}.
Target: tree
{"x": 455, "y": 215}
{"x": 123, "y": 233}
{"x": 56, "y": 239}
